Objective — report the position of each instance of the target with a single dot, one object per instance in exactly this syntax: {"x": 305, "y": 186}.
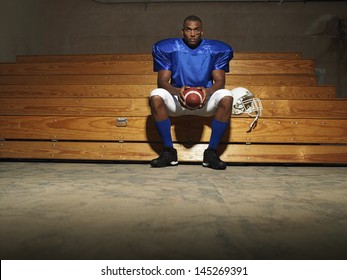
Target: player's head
{"x": 192, "y": 31}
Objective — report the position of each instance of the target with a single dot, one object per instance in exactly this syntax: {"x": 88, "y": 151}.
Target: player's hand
{"x": 204, "y": 96}
{"x": 181, "y": 96}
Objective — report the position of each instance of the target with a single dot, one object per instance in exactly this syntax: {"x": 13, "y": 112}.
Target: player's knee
{"x": 226, "y": 102}
{"x": 156, "y": 101}
{"x": 158, "y": 96}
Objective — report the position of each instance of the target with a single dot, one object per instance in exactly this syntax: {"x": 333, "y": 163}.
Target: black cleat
{"x": 212, "y": 160}
{"x": 168, "y": 157}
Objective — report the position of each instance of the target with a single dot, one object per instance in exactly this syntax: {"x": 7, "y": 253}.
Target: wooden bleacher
{"x": 95, "y": 107}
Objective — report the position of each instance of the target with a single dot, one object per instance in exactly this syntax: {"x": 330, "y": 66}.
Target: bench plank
{"x": 130, "y": 107}
{"x": 141, "y": 91}
{"x": 272, "y": 66}
{"x": 232, "y": 153}
{"x": 231, "y": 80}
{"x": 309, "y": 108}
{"x": 142, "y": 129}
{"x": 144, "y": 56}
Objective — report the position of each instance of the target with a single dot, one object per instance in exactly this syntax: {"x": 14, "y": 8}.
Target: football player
{"x": 191, "y": 61}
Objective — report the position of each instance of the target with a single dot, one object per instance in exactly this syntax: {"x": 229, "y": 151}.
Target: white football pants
{"x": 175, "y": 108}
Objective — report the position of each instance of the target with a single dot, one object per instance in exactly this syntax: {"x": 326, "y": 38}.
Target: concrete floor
{"x": 51, "y": 210}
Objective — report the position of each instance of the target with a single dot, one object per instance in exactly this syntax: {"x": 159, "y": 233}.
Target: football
{"x": 193, "y": 97}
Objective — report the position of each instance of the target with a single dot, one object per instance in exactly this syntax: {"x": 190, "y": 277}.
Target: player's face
{"x": 192, "y": 32}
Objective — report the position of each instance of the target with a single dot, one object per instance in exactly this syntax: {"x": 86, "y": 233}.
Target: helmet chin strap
{"x": 253, "y": 124}
{"x": 255, "y": 106}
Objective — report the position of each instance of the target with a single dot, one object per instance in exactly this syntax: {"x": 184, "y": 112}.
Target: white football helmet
{"x": 244, "y": 102}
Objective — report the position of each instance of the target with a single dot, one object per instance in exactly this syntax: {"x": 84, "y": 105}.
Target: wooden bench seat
{"x": 95, "y": 107}
{"x": 142, "y": 91}
{"x": 77, "y": 106}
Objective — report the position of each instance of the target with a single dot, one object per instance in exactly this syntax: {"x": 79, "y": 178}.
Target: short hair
{"x": 192, "y": 18}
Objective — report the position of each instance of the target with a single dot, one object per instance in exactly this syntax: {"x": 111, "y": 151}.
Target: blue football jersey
{"x": 191, "y": 67}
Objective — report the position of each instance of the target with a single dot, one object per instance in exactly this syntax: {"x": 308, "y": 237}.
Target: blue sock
{"x": 164, "y": 129}
{"x": 218, "y": 129}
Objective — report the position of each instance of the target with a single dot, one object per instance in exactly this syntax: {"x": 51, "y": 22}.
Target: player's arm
{"x": 218, "y": 77}
{"x": 163, "y": 81}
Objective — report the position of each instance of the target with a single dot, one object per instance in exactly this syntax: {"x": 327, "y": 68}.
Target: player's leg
{"x": 161, "y": 102}
{"x": 221, "y": 120}
{"x": 221, "y": 101}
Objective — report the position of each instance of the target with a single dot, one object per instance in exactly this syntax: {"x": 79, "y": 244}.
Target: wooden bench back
{"x": 231, "y": 80}
{"x": 127, "y": 67}
{"x": 144, "y": 57}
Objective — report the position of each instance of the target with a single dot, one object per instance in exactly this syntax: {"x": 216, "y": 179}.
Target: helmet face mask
{"x": 252, "y": 107}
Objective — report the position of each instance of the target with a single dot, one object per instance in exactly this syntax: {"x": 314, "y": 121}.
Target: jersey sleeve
{"x": 223, "y": 59}
{"x": 161, "y": 59}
